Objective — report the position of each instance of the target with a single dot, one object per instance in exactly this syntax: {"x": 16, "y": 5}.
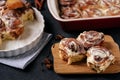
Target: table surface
{"x": 37, "y": 71}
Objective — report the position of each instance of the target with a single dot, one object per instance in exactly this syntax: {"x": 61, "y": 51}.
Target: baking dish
{"x": 82, "y": 23}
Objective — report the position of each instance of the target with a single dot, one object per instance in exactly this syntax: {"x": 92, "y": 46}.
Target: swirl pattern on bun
{"x": 99, "y": 58}
{"x": 90, "y": 38}
{"x": 71, "y": 50}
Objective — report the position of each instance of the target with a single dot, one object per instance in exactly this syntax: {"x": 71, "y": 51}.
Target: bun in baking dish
{"x": 71, "y": 50}
{"x": 91, "y": 38}
{"x": 99, "y": 58}
{"x": 88, "y": 8}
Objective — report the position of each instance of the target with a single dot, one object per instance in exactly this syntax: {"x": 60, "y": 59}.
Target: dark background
{"x": 37, "y": 71}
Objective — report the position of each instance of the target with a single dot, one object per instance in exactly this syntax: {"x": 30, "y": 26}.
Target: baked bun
{"x": 90, "y": 38}
{"x": 70, "y": 12}
{"x": 71, "y": 50}
{"x": 99, "y": 58}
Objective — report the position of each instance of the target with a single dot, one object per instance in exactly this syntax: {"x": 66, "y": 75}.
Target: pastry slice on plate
{"x": 15, "y": 16}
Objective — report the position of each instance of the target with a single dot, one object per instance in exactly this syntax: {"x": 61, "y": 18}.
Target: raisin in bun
{"x": 71, "y": 50}
{"x": 99, "y": 58}
{"x": 91, "y": 38}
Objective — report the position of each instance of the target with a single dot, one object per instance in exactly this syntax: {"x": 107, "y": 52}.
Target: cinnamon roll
{"x": 90, "y": 8}
{"x": 71, "y": 50}
{"x": 91, "y": 38}
{"x": 70, "y": 12}
{"x": 99, "y": 58}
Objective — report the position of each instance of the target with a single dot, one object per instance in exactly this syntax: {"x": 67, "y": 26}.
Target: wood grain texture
{"x": 62, "y": 67}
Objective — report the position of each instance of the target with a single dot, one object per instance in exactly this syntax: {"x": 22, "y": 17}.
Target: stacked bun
{"x": 88, "y": 45}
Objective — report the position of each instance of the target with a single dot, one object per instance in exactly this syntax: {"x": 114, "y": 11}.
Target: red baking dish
{"x": 82, "y": 23}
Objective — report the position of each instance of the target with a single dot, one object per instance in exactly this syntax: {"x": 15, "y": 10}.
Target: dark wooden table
{"x": 37, "y": 71}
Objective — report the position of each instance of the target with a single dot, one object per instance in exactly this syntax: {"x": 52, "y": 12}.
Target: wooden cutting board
{"x": 62, "y": 67}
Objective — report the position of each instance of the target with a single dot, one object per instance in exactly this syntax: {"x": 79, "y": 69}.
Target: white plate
{"x": 32, "y": 34}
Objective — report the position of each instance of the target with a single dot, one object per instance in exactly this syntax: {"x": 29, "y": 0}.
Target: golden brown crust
{"x": 14, "y": 4}
{"x": 70, "y": 59}
{"x": 0, "y": 39}
{"x": 63, "y": 55}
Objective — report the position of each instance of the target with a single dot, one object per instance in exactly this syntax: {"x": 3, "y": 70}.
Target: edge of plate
{"x": 21, "y": 50}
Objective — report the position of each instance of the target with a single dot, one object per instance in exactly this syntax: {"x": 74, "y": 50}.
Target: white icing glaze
{"x": 103, "y": 53}
{"x": 2, "y": 2}
{"x": 66, "y": 46}
{"x": 89, "y": 39}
